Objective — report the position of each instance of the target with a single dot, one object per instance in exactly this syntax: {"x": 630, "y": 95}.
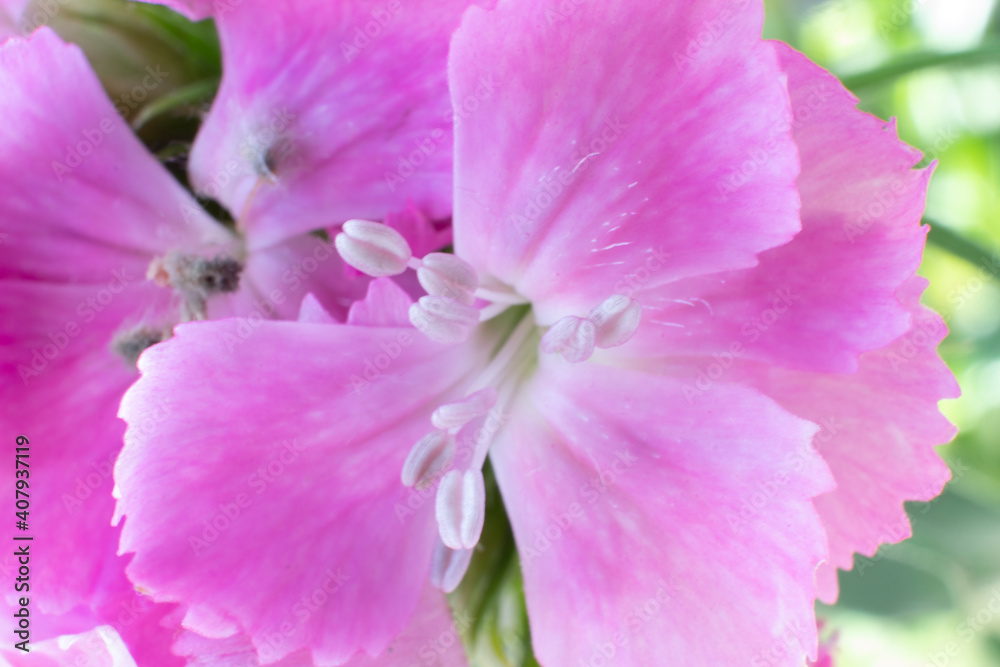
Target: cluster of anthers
{"x": 453, "y": 308}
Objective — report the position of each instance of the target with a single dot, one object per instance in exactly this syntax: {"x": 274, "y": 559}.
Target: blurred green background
{"x": 932, "y": 64}
{"x": 935, "y": 66}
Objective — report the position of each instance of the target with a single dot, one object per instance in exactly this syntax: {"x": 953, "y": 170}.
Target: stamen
{"x": 443, "y": 320}
{"x": 461, "y": 508}
{"x": 130, "y": 343}
{"x": 448, "y": 566}
{"x": 196, "y": 278}
{"x": 432, "y": 454}
{"x": 571, "y": 336}
{"x": 510, "y": 348}
{"x": 458, "y": 414}
{"x": 616, "y": 320}
{"x": 447, "y": 275}
{"x": 373, "y": 248}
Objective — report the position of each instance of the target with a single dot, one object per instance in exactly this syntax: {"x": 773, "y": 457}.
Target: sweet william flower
{"x": 103, "y": 252}
{"x": 698, "y": 381}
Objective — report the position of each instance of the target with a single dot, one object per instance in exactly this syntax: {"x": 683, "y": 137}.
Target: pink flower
{"x": 681, "y": 319}
{"x": 102, "y": 252}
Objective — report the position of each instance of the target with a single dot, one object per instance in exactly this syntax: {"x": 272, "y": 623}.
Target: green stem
{"x": 959, "y": 246}
{"x": 917, "y": 61}
{"x": 189, "y": 94}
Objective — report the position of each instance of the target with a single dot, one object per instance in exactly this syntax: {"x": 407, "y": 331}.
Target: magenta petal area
{"x": 431, "y": 638}
{"x": 590, "y": 142}
{"x": 81, "y": 191}
{"x": 818, "y": 302}
{"x": 879, "y": 427}
{"x": 329, "y": 111}
{"x": 60, "y": 385}
{"x": 625, "y": 497}
{"x": 299, "y": 465}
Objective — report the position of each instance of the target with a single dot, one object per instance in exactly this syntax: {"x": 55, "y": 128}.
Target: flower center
{"x": 449, "y": 314}
{"x": 195, "y": 279}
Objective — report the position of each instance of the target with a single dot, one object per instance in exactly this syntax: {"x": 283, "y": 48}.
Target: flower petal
{"x": 879, "y": 428}
{"x": 60, "y": 385}
{"x": 829, "y": 295}
{"x": 659, "y": 525}
{"x": 81, "y": 191}
{"x": 321, "y": 106}
{"x": 583, "y": 150}
{"x": 430, "y": 638}
{"x": 300, "y": 466}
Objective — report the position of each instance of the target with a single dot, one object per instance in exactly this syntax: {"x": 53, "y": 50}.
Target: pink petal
{"x": 589, "y": 141}
{"x": 307, "y": 449}
{"x": 276, "y": 278}
{"x": 879, "y": 428}
{"x": 309, "y": 130}
{"x": 60, "y": 383}
{"x": 634, "y": 515}
{"x": 423, "y": 235}
{"x": 386, "y": 305}
{"x": 819, "y": 301}
{"x": 430, "y": 638}
{"x": 81, "y": 192}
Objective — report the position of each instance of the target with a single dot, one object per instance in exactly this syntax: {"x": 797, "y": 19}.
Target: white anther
{"x": 448, "y": 566}
{"x": 429, "y": 456}
{"x": 461, "y": 508}
{"x": 458, "y": 414}
{"x": 373, "y": 248}
{"x": 442, "y": 274}
{"x": 571, "y": 336}
{"x": 443, "y": 319}
{"x": 616, "y": 319}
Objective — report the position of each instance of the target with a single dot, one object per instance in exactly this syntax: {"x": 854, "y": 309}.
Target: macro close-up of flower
{"x": 495, "y": 332}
